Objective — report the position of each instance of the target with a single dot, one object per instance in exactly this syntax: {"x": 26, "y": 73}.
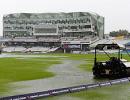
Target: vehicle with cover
{"x": 115, "y": 67}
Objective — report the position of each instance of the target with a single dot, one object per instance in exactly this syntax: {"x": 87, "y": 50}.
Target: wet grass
{"x": 115, "y": 92}
{"x": 20, "y": 69}
{"x": 89, "y": 60}
{"x": 15, "y": 69}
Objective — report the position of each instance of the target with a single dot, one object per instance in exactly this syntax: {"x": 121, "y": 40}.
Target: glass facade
{"x": 67, "y": 24}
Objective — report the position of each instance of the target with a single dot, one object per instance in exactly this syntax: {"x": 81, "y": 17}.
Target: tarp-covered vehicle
{"x": 115, "y": 67}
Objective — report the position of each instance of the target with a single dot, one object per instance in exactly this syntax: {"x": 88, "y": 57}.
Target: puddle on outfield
{"x": 67, "y": 74}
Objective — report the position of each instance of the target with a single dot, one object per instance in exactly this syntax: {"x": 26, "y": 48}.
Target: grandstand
{"x": 73, "y": 31}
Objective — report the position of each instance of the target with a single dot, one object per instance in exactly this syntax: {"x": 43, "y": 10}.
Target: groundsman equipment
{"x": 115, "y": 67}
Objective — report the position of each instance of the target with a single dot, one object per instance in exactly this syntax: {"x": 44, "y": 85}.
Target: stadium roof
{"x": 50, "y": 15}
{"x": 107, "y": 43}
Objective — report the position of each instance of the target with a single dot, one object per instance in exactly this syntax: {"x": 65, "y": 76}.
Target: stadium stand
{"x": 19, "y": 49}
{"x": 53, "y": 49}
{"x": 73, "y": 31}
{"x": 38, "y": 48}
{"x": 9, "y": 49}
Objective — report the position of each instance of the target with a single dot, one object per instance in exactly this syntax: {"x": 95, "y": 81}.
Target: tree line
{"x": 120, "y": 32}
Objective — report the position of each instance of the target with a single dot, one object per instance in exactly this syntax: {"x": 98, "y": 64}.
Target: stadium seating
{"x": 8, "y": 49}
{"x": 53, "y": 49}
{"x": 31, "y": 49}
{"x": 37, "y": 49}
{"x": 19, "y": 49}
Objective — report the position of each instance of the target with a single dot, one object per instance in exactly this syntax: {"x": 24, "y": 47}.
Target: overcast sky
{"x": 116, "y": 12}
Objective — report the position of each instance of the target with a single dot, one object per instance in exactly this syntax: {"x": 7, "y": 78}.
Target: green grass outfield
{"x": 21, "y": 69}
{"x": 17, "y": 69}
{"x": 115, "y": 92}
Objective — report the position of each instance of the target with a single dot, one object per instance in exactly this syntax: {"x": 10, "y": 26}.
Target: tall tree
{"x": 119, "y": 33}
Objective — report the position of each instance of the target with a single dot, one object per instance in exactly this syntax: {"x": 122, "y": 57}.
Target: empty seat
{"x": 9, "y": 49}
